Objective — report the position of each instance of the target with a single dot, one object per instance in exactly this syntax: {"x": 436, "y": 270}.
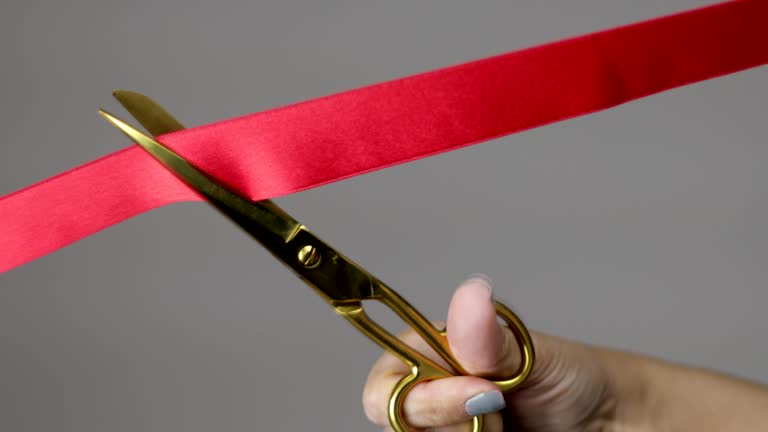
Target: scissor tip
{"x": 117, "y": 93}
{"x": 123, "y": 126}
{"x": 110, "y": 118}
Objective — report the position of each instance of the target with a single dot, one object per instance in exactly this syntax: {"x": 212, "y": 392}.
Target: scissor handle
{"x": 524, "y": 343}
{"x": 423, "y": 368}
{"x": 419, "y": 374}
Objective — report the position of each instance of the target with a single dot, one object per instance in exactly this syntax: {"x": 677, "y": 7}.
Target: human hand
{"x": 571, "y": 388}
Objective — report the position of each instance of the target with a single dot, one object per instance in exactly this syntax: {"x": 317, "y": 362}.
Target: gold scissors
{"x": 341, "y": 282}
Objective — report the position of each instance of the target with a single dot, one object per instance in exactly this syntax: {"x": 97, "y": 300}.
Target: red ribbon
{"x": 293, "y": 148}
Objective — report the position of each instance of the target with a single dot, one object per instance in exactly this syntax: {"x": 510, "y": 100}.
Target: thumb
{"x": 478, "y": 342}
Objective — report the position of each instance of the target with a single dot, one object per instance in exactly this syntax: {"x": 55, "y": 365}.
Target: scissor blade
{"x": 258, "y": 218}
{"x": 147, "y": 112}
{"x": 337, "y": 279}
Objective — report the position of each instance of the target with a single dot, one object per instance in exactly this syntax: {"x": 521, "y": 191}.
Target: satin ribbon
{"x": 296, "y": 147}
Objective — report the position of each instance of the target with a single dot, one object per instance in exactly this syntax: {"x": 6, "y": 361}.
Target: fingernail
{"x": 485, "y": 403}
{"x": 483, "y": 280}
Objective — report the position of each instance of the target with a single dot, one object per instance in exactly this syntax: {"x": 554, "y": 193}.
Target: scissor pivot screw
{"x": 309, "y": 256}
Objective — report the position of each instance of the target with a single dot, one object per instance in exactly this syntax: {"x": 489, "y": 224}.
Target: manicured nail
{"x": 485, "y": 403}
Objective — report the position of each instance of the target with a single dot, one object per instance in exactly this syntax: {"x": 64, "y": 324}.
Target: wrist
{"x": 653, "y": 395}
{"x": 630, "y": 397}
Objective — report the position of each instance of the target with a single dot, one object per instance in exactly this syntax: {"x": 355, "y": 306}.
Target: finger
{"x": 434, "y": 403}
{"x": 451, "y": 401}
{"x": 430, "y": 404}
{"x": 442, "y": 402}
{"x": 388, "y": 363}
{"x": 476, "y": 339}
{"x": 387, "y": 371}
{"x": 492, "y": 423}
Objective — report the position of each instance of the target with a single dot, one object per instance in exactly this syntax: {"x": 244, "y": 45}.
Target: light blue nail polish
{"x": 485, "y": 403}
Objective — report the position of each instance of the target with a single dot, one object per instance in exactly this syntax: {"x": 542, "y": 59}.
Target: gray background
{"x": 642, "y": 227}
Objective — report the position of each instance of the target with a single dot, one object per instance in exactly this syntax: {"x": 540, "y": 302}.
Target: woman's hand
{"x": 573, "y": 387}
{"x": 568, "y": 389}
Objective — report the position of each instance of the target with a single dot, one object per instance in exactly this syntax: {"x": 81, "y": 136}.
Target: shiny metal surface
{"x": 341, "y": 282}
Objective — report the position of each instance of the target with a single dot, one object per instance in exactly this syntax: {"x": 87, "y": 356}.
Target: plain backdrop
{"x": 642, "y": 227}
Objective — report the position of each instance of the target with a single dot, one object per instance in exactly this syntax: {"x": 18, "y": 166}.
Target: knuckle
{"x": 374, "y": 404}
{"x": 426, "y": 406}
